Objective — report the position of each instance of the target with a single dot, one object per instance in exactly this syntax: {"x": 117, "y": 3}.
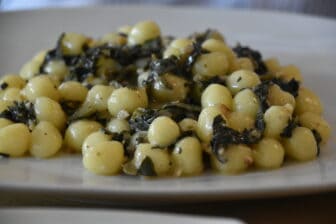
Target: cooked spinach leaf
{"x": 123, "y": 137}
{"x": 142, "y": 118}
{"x": 69, "y": 107}
{"x": 161, "y": 66}
{"x": 223, "y": 136}
{"x": 178, "y": 111}
{"x": 261, "y": 91}
{"x": 147, "y": 168}
{"x": 216, "y": 79}
{"x": 292, "y": 86}
{"x": 127, "y": 55}
{"x": 318, "y": 140}
{"x": 20, "y": 112}
{"x": 255, "y": 56}
{"x": 199, "y": 38}
{"x": 126, "y": 77}
{"x": 288, "y": 130}
{"x": 54, "y": 54}
{"x": 191, "y": 59}
{"x": 86, "y": 64}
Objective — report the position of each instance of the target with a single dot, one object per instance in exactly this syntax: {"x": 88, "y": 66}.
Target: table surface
{"x": 314, "y": 208}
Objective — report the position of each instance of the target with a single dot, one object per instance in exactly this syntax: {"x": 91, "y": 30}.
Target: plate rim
{"x": 195, "y": 195}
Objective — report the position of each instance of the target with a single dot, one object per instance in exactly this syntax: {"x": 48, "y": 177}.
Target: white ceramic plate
{"x": 308, "y": 42}
{"x": 89, "y": 216}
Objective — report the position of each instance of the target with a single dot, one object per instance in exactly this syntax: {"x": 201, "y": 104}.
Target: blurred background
{"x": 325, "y": 8}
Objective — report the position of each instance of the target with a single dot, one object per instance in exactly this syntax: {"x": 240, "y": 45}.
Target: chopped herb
{"x": 196, "y": 52}
{"x": 86, "y": 64}
{"x": 240, "y": 78}
{"x": 255, "y": 56}
{"x": 216, "y": 79}
{"x": 318, "y": 140}
{"x": 147, "y": 168}
{"x": 126, "y": 55}
{"x": 223, "y": 136}
{"x": 260, "y": 124}
{"x": 20, "y": 112}
{"x": 122, "y": 34}
{"x": 142, "y": 118}
{"x": 159, "y": 67}
{"x": 162, "y": 66}
{"x": 126, "y": 77}
{"x": 3, "y": 85}
{"x": 54, "y": 54}
{"x": 199, "y": 38}
{"x": 292, "y": 86}
{"x": 4, "y": 155}
{"x": 123, "y": 137}
{"x": 149, "y": 48}
{"x": 186, "y": 134}
{"x": 136, "y": 139}
{"x": 166, "y": 40}
{"x": 178, "y": 111}
{"x": 261, "y": 91}
{"x": 70, "y": 107}
{"x": 288, "y": 130}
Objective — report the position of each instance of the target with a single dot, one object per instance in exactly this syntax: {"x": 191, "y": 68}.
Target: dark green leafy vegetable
{"x": 292, "y": 86}
{"x": 147, "y": 168}
{"x": 216, "y": 79}
{"x": 20, "y": 112}
{"x": 178, "y": 111}
{"x": 122, "y": 34}
{"x": 3, "y": 85}
{"x": 86, "y": 64}
{"x": 126, "y": 77}
{"x": 127, "y": 55}
{"x": 288, "y": 130}
{"x": 223, "y": 136}
{"x": 186, "y": 134}
{"x": 54, "y": 54}
{"x": 261, "y": 91}
{"x": 259, "y": 122}
{"x": 159, "y": 67}
{"x": 318, "y": 140}
{"x": 125, "y": 138}
{"x": 199, "y": 38}
{"x": 255, "y": 56}
{"x": 136, "y": 139}
{"x": 196, "y": 52}
{"x": 69, "y": 107}
{"x": 142, "y": 118}
{"x": 121, "y": 137}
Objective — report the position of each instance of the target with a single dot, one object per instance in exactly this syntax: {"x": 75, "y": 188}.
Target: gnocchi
{"x": 137, "y": 102}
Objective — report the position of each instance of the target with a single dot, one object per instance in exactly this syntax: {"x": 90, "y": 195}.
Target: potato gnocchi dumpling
{"x": 137, "y": 102}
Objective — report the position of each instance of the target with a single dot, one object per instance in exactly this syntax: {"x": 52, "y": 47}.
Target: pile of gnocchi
{"x": 140, "y": 103}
